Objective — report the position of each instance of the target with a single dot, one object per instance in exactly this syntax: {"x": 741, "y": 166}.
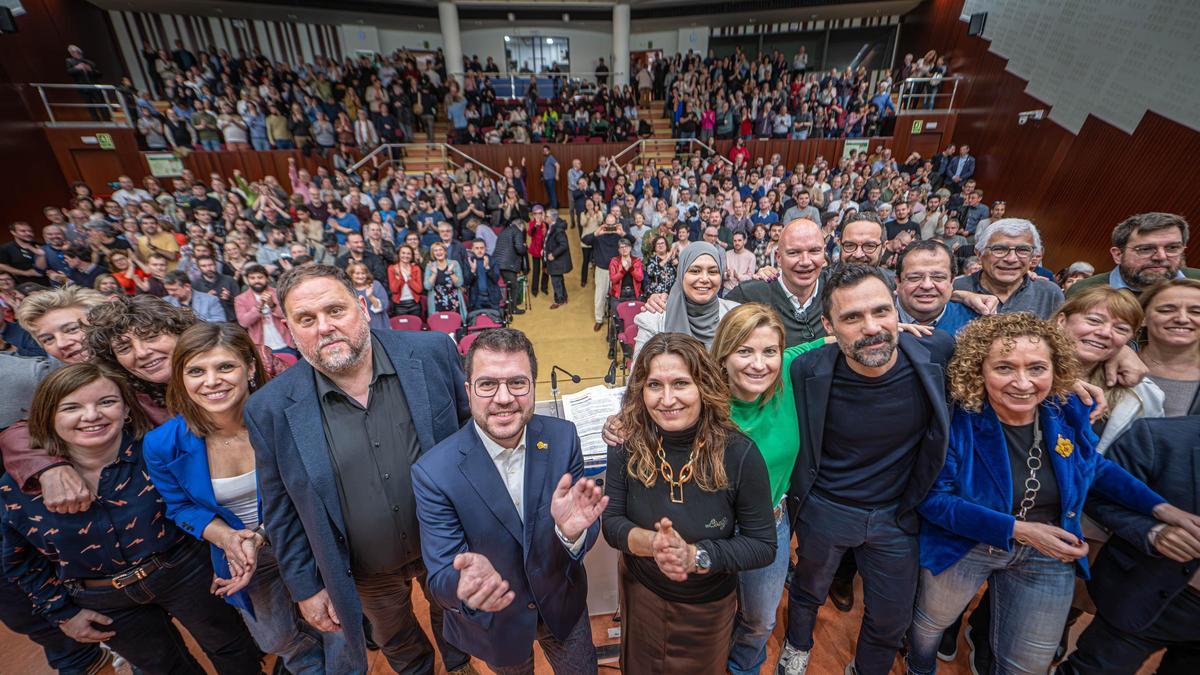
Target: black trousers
{"x": 1105, "y": 649}
{"x": 141, "y": 616}
{"x": 537, "y": 280}
{"x": 510, "y": 288}
{"x": 62, "y": 653}
{"x": 587, "y": 263}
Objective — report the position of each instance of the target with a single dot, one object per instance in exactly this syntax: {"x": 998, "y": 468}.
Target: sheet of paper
{"x": 588, "y": 409}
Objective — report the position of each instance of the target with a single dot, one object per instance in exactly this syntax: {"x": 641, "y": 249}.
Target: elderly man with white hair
{"x": 1006, "y": 250}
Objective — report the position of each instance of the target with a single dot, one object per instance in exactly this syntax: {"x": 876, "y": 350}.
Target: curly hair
{"x": 713, "y": 428}
{"x": 975, "y": 342}
{"x": 142, "y": 315}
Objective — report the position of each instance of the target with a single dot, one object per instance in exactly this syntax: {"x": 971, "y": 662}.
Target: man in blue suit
{"x": 335, "y": 438}
{"x": 960, "y": 168}
{"x": 506, "y": 518}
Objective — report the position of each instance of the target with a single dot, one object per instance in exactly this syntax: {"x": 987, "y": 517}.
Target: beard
{"x": 858, "y": 351}
{"x": 352, "y": 353}
{"x": 1143, "y": 278}
{"x": 257, "y": 288}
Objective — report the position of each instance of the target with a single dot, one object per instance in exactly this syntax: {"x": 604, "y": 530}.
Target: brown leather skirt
{"x": 663, "y": 637}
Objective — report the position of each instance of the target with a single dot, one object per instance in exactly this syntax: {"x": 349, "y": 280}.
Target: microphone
{"x": 611, "y": 377}
{"x": 554, "y": 371}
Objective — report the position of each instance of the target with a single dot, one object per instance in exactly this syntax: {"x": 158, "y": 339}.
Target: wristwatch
{"x": 703, "y": 561}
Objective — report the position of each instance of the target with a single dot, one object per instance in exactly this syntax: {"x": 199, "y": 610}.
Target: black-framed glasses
{"x": 1147, "y": 250}
{"x": 920, "y": 277}
{"x": 487, "y": 387}
{"x": 867, "y": 247}
{"x": 1000, "y": 251}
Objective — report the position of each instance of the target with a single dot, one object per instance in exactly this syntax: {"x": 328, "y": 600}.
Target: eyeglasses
{"x": 918, "y": 277}
{"x": 1000, "y": 251}
{"x": 1147, "y": 250}
{"x": 868, "y": 247}
{"x": 486, "y": 387}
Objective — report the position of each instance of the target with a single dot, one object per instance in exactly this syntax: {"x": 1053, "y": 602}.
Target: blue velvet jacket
{"x": 177, "y": 461}
{"x": 971, "y": 500}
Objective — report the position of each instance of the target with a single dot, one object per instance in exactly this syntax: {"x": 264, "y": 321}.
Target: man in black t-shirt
{"x": 855, "y": 486}
{"x": 23, "y": 257}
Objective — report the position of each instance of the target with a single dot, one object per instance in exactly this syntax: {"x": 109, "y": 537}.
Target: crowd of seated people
{"x": 150, "y": 279}
{"x": 212, "y": 100}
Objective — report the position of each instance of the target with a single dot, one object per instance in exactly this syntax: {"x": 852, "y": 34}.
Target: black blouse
{"x": 705, "y": 518}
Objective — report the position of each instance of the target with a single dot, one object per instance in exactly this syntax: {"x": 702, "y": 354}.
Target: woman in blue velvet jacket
{"x": 1005, "y": 508}
{"x": 202, "y": 463}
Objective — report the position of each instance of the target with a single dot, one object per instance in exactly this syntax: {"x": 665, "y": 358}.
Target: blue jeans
{"x": 285, "y": 144}
{"x": 887, "y": 559}
{"x": 759, "y": 592}
{"x": 1031, "y": 596}
{"x": 260, "y": 143}
{"x": 141, "y": 616}
{"x": 278, "y": 628}
{"x": 551, "y": 192}
{"x": 64, "y": 655}
{"x": 211, "y": 146}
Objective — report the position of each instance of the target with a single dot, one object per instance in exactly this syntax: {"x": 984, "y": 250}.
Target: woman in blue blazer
{"x": 1005, "y": 508}
{"x": 202, "y": 463}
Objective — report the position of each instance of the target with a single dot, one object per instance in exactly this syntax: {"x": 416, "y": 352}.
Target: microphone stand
{"x": 554, "y": 371}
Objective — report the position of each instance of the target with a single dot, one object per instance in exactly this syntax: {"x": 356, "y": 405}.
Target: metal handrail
{"x": 908, "y": 98}
{"x": 395, "y": 150}
{"x": 114, "y": 104}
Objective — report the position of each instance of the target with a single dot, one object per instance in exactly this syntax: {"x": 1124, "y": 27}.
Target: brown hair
{"x": 61, "y": 384}
{"x": 974, "y": 343}
{"x": 735, "y": 328}
{"x": 713, "y": 428}
{"x": 356, "y": 266}
{"x": 199, "y": 339}
{"x": 143, "y": 315}
{"x": 1147, "y": 297}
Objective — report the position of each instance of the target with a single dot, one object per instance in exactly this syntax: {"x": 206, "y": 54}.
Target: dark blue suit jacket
{"x": 968, "y": 167}
{"x": 971, "y": 502}
{"x": 1131, "y": 582}
{"x": 464, "y": 505}
{"x": 296, "y": 480}
{"x": 812, "y": 379}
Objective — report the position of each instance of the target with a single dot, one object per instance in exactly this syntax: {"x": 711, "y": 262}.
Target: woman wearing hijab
{"x": 693, "y": 307}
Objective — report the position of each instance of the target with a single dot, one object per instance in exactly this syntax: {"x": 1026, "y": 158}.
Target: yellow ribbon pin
{"x": 1064, "y": 447}
{"x": 542, "y": 445}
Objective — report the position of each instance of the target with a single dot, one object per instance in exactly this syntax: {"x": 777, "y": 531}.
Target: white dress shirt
{"x": 510, "y": 464}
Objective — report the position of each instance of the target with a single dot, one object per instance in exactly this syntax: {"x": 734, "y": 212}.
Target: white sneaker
{"x": 792, "y": 661}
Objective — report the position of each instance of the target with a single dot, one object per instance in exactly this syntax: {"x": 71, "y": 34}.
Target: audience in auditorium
{"x": 317, "y": 265}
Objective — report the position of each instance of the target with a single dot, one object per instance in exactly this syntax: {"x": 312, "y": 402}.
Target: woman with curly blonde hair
{"x": 1006, "y": 506}
{"x": 689, "y": 508}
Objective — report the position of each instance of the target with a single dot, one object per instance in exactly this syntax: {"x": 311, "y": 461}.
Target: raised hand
{"x": 575, "y": 508}
{"x": 670, "y": 551}
{"x": 479, "y": 584}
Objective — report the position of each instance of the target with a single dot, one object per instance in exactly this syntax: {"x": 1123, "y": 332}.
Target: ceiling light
{"x": 512, "y": 17}
{"x": 549, "y": 41}
{"x": 566, "y": 18}
{"x": 506, "y": 38}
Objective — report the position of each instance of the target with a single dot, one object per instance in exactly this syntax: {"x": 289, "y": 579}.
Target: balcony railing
{"x": 926, "y": 93}
{"x": 85, "y": 105}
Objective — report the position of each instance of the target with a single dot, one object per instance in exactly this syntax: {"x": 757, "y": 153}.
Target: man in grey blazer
{"x": 335, "y": 438}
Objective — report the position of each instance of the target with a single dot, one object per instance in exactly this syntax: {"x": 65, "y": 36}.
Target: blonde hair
{"x": 1123, "y": 307}
{"x": 975, "y": 342}
{"x": 736, "y": 327}
{"x": 39, "y": 304}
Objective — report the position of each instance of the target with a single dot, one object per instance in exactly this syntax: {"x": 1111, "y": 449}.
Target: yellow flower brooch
{"x": 1064, "y": 447}
{"x": 542, "y": 445}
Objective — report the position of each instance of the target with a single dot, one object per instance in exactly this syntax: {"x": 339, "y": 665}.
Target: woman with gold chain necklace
{"x": 689, "y": 507}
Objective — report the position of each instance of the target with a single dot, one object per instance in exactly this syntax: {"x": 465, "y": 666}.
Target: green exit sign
{"x": 917, "y": 126}
{"x": 105, "y": 141}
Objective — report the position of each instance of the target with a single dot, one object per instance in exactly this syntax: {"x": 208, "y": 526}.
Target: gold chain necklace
{"x": 668, "y": 474}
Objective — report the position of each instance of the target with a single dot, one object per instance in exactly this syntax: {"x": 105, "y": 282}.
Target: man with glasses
{"x": 335, "y": 438}
{"x": 1006, "y": 251}
{"x": 507, "y": 517}
{"x": 1147, "y": 248}
{"x": 925, "y": 276}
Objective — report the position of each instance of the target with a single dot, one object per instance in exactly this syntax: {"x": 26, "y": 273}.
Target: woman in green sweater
{"x": 749, "y": 346}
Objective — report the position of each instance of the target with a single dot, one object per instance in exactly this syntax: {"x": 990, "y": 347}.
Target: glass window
{"x": 537, "y": 54}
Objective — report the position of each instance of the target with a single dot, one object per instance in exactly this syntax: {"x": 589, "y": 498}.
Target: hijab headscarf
{"x": 687, "y": 317}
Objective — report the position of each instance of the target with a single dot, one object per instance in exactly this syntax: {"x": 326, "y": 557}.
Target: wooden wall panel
{"x": 1074, "y": 187}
